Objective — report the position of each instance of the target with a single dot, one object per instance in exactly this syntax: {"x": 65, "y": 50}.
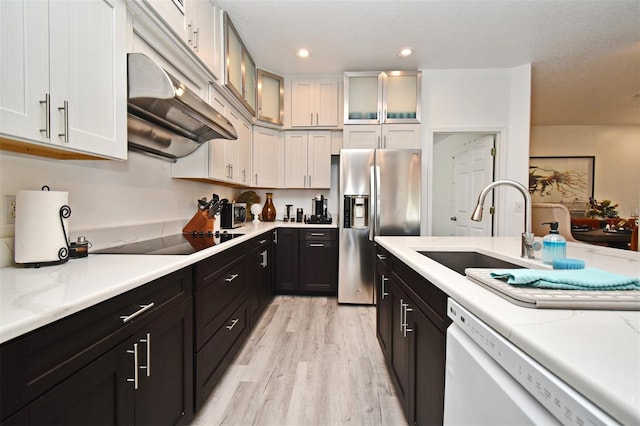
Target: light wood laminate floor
{"x": 308, "y": 361}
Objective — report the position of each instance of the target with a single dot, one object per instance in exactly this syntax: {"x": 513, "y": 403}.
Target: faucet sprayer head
{"x": 477, "y": 212}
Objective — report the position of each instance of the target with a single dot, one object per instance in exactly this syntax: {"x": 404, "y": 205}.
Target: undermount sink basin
{"x": 460, "y": 260}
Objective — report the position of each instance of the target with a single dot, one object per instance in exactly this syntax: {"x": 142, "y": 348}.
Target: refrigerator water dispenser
{"x": 356, "y": 211}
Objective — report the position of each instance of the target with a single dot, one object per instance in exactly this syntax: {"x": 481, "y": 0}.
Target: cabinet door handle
{"x": 275, "y": 237}
{"x": 304, "y": 181}
{"x": 231, "y": 277}
{"x": 383, "y": 290}
{"x": 402, "y": 315}
{"x": 196, "y": 46}
{"x": 65, "y": 109}
{"x": 309, "y": 181}
{"x": 264, "y": 259}
{"x": 379, "y": 146}
{"x": 189, "y": 32}
{"x": 47, "y": 113}
{"x": 381, "y": 256}
{"x": 406, "y": 324}
{"x": 384, "y": 141}
{"x": 147, "y": 367}
{"x": 317, "y": 120}
{"x": 256, "y": 178}
{"x": 143, "y": 308}
{"x": 233, "y": 324}
{"x": 311, "y": 118}
{"x": 135, "y": 365}
{"x": 244, "y": 175}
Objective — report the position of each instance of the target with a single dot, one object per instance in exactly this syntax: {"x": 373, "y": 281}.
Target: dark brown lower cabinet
{"x": 306, "y": 261}
{"x": 411, "y": 330}
{"x": 145, "y": 378}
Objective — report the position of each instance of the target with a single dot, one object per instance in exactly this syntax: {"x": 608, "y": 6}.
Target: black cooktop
{"x": 171, "y": 244}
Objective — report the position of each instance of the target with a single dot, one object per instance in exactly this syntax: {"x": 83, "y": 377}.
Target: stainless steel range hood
{"x": 166, "y": 119}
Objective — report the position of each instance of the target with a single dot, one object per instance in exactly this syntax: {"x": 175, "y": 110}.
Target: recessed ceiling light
{"x": 303, "y": 53}
{"x": 404, "y": 52}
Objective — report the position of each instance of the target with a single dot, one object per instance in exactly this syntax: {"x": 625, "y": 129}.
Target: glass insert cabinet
{"x": 374, "y": 97}
{"x": 240, "y": 70}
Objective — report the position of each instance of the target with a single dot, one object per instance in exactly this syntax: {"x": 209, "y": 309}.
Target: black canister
{"x": 299, "y": 213}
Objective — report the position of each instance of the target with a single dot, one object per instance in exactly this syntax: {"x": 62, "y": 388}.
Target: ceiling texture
{"x": 585, "y": 54}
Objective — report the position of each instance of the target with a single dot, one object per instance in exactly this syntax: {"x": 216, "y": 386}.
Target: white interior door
{"x": 472, "y": 171}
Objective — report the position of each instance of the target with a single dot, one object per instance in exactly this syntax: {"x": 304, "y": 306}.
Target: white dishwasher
{"x": 489, "y": 381}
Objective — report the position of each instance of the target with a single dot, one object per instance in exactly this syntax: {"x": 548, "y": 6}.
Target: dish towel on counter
{"x": 570, "y": 279}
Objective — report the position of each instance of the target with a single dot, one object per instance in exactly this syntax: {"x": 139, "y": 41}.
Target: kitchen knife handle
{"x": 143, "y": 308}
{"x": 47, "y": 112}
{"x": 65, "y": 109}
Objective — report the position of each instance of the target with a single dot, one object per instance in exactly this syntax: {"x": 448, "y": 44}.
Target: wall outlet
{"x": 518, "y": 207}
{"x": 9, "y": 209}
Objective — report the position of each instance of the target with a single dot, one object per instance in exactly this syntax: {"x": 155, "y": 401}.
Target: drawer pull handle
{"x": 262, "y": 242}
{"x": 316, "y": 245}
{"x": 143, "y": 308}
{"x": 317, "y": 234}
{"x": 135, "y": 365}
{"x": 147, "y": 367}
{"x": 381, "y": 256}
{"x": 231, "y": 278}
{"x": 233, "y": 324}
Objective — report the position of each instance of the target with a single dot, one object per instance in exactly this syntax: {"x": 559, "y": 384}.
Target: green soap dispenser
{"x": 554, "y": 246}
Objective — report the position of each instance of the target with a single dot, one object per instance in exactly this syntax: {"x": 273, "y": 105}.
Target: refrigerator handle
{"x": 372, "y": 202}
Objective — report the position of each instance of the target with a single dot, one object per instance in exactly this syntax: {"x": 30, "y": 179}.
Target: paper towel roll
{"x": 40, "y": 237}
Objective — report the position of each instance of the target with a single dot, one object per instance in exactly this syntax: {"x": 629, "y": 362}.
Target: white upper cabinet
{"x": 314, "y": 102}
{"x": 372, "y": 136}
{"x": 307, "y": 159}
{"x": 266, "y": 157}
{"x": 204, "y": 33}
{"x": 382, "y": 97}
{"x": 173, "y": 14}
{"x": 64, "y": 75}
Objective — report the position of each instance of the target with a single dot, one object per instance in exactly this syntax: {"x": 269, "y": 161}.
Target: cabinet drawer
{"x": 209, "y": 269}
{"x": 34, "y": 363}
{"x": 212, "y": 300}
{"x": 317, "y": 234}
{"x": 316, "y": 244}
{"x": 213, "y": 358}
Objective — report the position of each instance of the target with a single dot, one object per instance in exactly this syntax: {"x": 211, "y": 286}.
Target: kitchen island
{"x": 595, "y": 352}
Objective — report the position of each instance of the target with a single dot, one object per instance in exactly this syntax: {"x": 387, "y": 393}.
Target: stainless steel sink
{"x": 460, "y": 260}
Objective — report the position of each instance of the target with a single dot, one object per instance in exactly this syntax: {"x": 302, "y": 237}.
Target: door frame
{"x": 500, "y": 134}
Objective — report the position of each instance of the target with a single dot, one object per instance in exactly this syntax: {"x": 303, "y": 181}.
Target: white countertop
{"x": 33, "y": 297}
{"x": 596, "y": 352}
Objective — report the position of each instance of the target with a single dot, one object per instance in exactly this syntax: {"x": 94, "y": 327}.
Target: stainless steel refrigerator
{"x": 380, "y": 195}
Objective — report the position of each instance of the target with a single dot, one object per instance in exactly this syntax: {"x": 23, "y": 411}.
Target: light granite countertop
{"x": 595, "y": 352}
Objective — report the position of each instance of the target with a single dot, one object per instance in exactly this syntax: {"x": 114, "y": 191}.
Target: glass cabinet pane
{"x": 249, "y": 83}
{"x": 234, "y": 60}
{"x": 362, "y": 97}
{"x": 401, "y": 96}
{"x": 270, "y": 97}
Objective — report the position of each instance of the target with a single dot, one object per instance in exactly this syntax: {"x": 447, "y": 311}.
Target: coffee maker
{"x": 319, "y": 212}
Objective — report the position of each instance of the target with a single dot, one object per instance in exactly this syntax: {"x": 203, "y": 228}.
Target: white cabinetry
{"x": 220, "y": 160}
{"x": 63, "y": 68}
{"x": 266, "y": 154}
{"x": 307, "y": 159}
{"x": 204, "y": 33}
{"x": 314, "y": 102}
{"x": 371, "y": 136}
{"x": 382, "y": 97}
{"x": 173, "y": 14}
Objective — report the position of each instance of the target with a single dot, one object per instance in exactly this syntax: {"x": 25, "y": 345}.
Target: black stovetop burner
{"x": 172, "y": 244}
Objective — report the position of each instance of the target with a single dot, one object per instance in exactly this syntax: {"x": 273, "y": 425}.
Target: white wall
{"x": 105, "y": 194}
{"x": 481, "y": 100}
{"x": 617, "y": 157}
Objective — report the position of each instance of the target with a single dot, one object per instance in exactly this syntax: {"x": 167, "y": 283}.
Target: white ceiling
{"x": 585, "y": 54}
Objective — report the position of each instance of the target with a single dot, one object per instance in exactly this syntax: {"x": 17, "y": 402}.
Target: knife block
{"x": 200, "y": 223}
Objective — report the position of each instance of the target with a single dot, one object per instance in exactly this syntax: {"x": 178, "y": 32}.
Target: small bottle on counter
{"x": 554, "y": 246}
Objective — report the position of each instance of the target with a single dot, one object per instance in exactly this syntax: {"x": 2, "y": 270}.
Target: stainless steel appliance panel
{"x": 385, "y": 185}
{"x": 398, "y": 187}
{"x": 355, "y": 272}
